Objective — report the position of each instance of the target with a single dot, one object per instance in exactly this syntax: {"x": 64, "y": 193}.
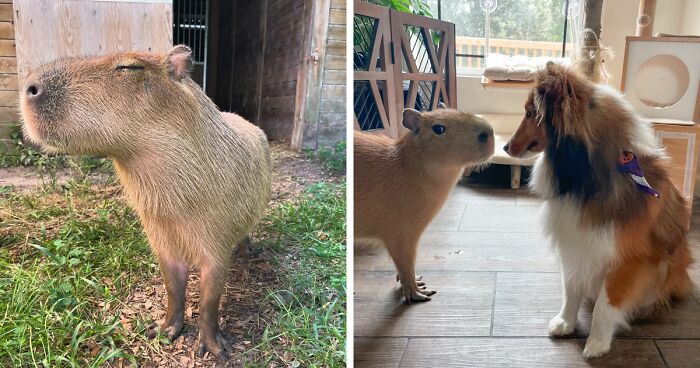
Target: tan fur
{"x": 198, "y": 178}
{"x": 400, "y": 185}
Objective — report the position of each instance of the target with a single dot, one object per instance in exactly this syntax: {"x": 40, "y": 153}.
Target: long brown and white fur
{"x": 619, "y": 246}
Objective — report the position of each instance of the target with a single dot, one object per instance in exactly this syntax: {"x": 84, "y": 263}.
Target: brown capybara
{"x": 401, "y": 184}
{"x": 199, "y": 179}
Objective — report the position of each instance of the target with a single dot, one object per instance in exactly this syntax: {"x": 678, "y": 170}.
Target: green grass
{"x": 310, "y": 329}
{"x": 333, "y": 158}
{"x": 19, "y": 153}
{"x": 69, "y": 256}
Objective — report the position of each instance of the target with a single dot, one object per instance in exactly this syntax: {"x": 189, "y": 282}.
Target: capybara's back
{"x": 400, "y": 185}
{"x": 199, "y": 179}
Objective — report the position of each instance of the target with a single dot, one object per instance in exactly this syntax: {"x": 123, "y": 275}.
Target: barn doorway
{"x": 190, "y": 18}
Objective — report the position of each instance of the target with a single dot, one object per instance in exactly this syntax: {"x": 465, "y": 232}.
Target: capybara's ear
{"x": 411, "y": 120}
{"x": 179, "y": 62}
{"x": 441, "y": 105}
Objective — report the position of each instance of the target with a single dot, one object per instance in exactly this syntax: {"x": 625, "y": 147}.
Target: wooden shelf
{"x": 485, "y": 82}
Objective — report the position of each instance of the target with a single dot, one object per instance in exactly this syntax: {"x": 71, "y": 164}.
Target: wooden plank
{"x": 337, "y": 17}
{"x": 8, "y": 82}
{"x": 6, "y": 14}
{"x": 8, "y": 65}
{"x": 9, "y": 99}
{"x": 7, "y": 31}
{"x": 464, "y": 251}
{"x": 479, "y": 217}
{"x": 9, "y": 115}
{"x": 331, "y": 129}
{"x": 378, "y": 352}
{"x": 334, "y": 76}
{"x": 111, "y": 26}
{"x": 525, "y": 352}
{"x": 337, "y": 105}
{"x": 7, "y": 48}
{"x": 336, "y": 32}
{"x": 526, "y": 301}
{"x": 333, "y": 91}
{"x": 461, "y": 307}
{"x": 680, "y": 353}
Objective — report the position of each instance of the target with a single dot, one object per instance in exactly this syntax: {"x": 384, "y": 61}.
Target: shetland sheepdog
{"x": 616, "y": 222}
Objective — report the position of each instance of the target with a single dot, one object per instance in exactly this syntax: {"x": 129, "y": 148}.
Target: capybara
{"x": 401, "y": 184}
{"x": 199, "y": 179}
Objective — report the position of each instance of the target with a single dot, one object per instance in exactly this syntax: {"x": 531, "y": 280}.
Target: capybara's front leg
{"x": 174, "y": 274}
{"x": 211, "y": 288}
{"x": 404, "y": 256}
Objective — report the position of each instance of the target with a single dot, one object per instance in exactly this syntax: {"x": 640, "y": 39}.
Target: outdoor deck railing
{"x": 477, "y": 45}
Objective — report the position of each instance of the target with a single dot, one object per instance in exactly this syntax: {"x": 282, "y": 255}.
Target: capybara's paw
{"x": 595, "y": 348}
{"x": 215, "y": 344}
{"x": 419, "y": 279}
{"x": 417, "y": 294}
{"x": 171, "y": 331}
{"x": 558, "y": 326}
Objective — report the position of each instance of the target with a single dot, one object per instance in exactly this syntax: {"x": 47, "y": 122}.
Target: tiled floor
{"x": 498, "y": 285}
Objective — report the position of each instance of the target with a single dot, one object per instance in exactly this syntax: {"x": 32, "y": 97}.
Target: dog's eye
{"x": 528, "y": 114}
{"x": 438, "y": 129}
{"x": 129, "y": 67}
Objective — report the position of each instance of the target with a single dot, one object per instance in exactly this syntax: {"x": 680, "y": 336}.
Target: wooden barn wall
{"x": 282, "y": 55}
{"x": 332, "y": 116}
{"x": 8, "y": 72}
{"x": 248, "y": 59}
{"x": 88, "y": 27}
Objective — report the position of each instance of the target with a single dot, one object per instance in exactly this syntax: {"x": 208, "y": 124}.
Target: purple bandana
{"x": 630, "y": 165}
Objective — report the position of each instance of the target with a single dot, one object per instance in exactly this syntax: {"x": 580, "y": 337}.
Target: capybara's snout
{"x": 42, "y": 100}
{"x": 33, "y": 90}
{"x": 43, "y": 92}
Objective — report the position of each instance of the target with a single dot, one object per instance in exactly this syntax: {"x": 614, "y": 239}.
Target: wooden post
{"x": 310, "y": 76}
{"x": 589, "y": 56}
{"x": 645, "y": 18}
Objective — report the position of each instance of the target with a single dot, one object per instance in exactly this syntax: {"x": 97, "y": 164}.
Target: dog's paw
{"x": 595, "y": 348}
{"x": 558, "y": 326}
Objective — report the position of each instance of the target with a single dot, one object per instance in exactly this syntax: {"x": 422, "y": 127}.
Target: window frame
{"x": 474, "y": 71}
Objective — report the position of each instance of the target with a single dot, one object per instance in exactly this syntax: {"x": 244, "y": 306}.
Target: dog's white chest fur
{"x": 584, "y": 252}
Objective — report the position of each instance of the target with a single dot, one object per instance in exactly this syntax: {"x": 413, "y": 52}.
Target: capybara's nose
{"x": 505, "y": 148}
{"x": 34, "y": 90}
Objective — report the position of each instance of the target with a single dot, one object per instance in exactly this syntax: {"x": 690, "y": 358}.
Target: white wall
{"x": 619, "y": 20}
{"x": 690, "y": 23}
{"x": 669, "y": 15}
{"x": 493, "y": 100}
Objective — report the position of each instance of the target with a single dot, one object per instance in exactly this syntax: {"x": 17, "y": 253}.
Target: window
{"x": 518, "y": 27}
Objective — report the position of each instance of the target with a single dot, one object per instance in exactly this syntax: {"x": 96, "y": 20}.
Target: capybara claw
{"x": 416, "y": 296}
{"x": 215, "y": 345}
{"x": 171, "y": 332}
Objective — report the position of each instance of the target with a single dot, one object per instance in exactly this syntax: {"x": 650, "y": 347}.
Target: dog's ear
{"x": 411, "y": 120}
{"x": 564, "y": 95}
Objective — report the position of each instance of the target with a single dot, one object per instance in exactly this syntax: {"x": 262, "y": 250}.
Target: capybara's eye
{"x": 129, "y": 67}
{"x": 438, "y": 129}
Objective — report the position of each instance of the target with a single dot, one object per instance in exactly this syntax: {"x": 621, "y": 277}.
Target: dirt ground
{"x": 244, "y": 310}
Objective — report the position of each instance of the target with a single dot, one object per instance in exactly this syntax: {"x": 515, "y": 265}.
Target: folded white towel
{"x": 520, "y": 68}
{"x": 500, "y": 67}
{"x": 496, "y": 66}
